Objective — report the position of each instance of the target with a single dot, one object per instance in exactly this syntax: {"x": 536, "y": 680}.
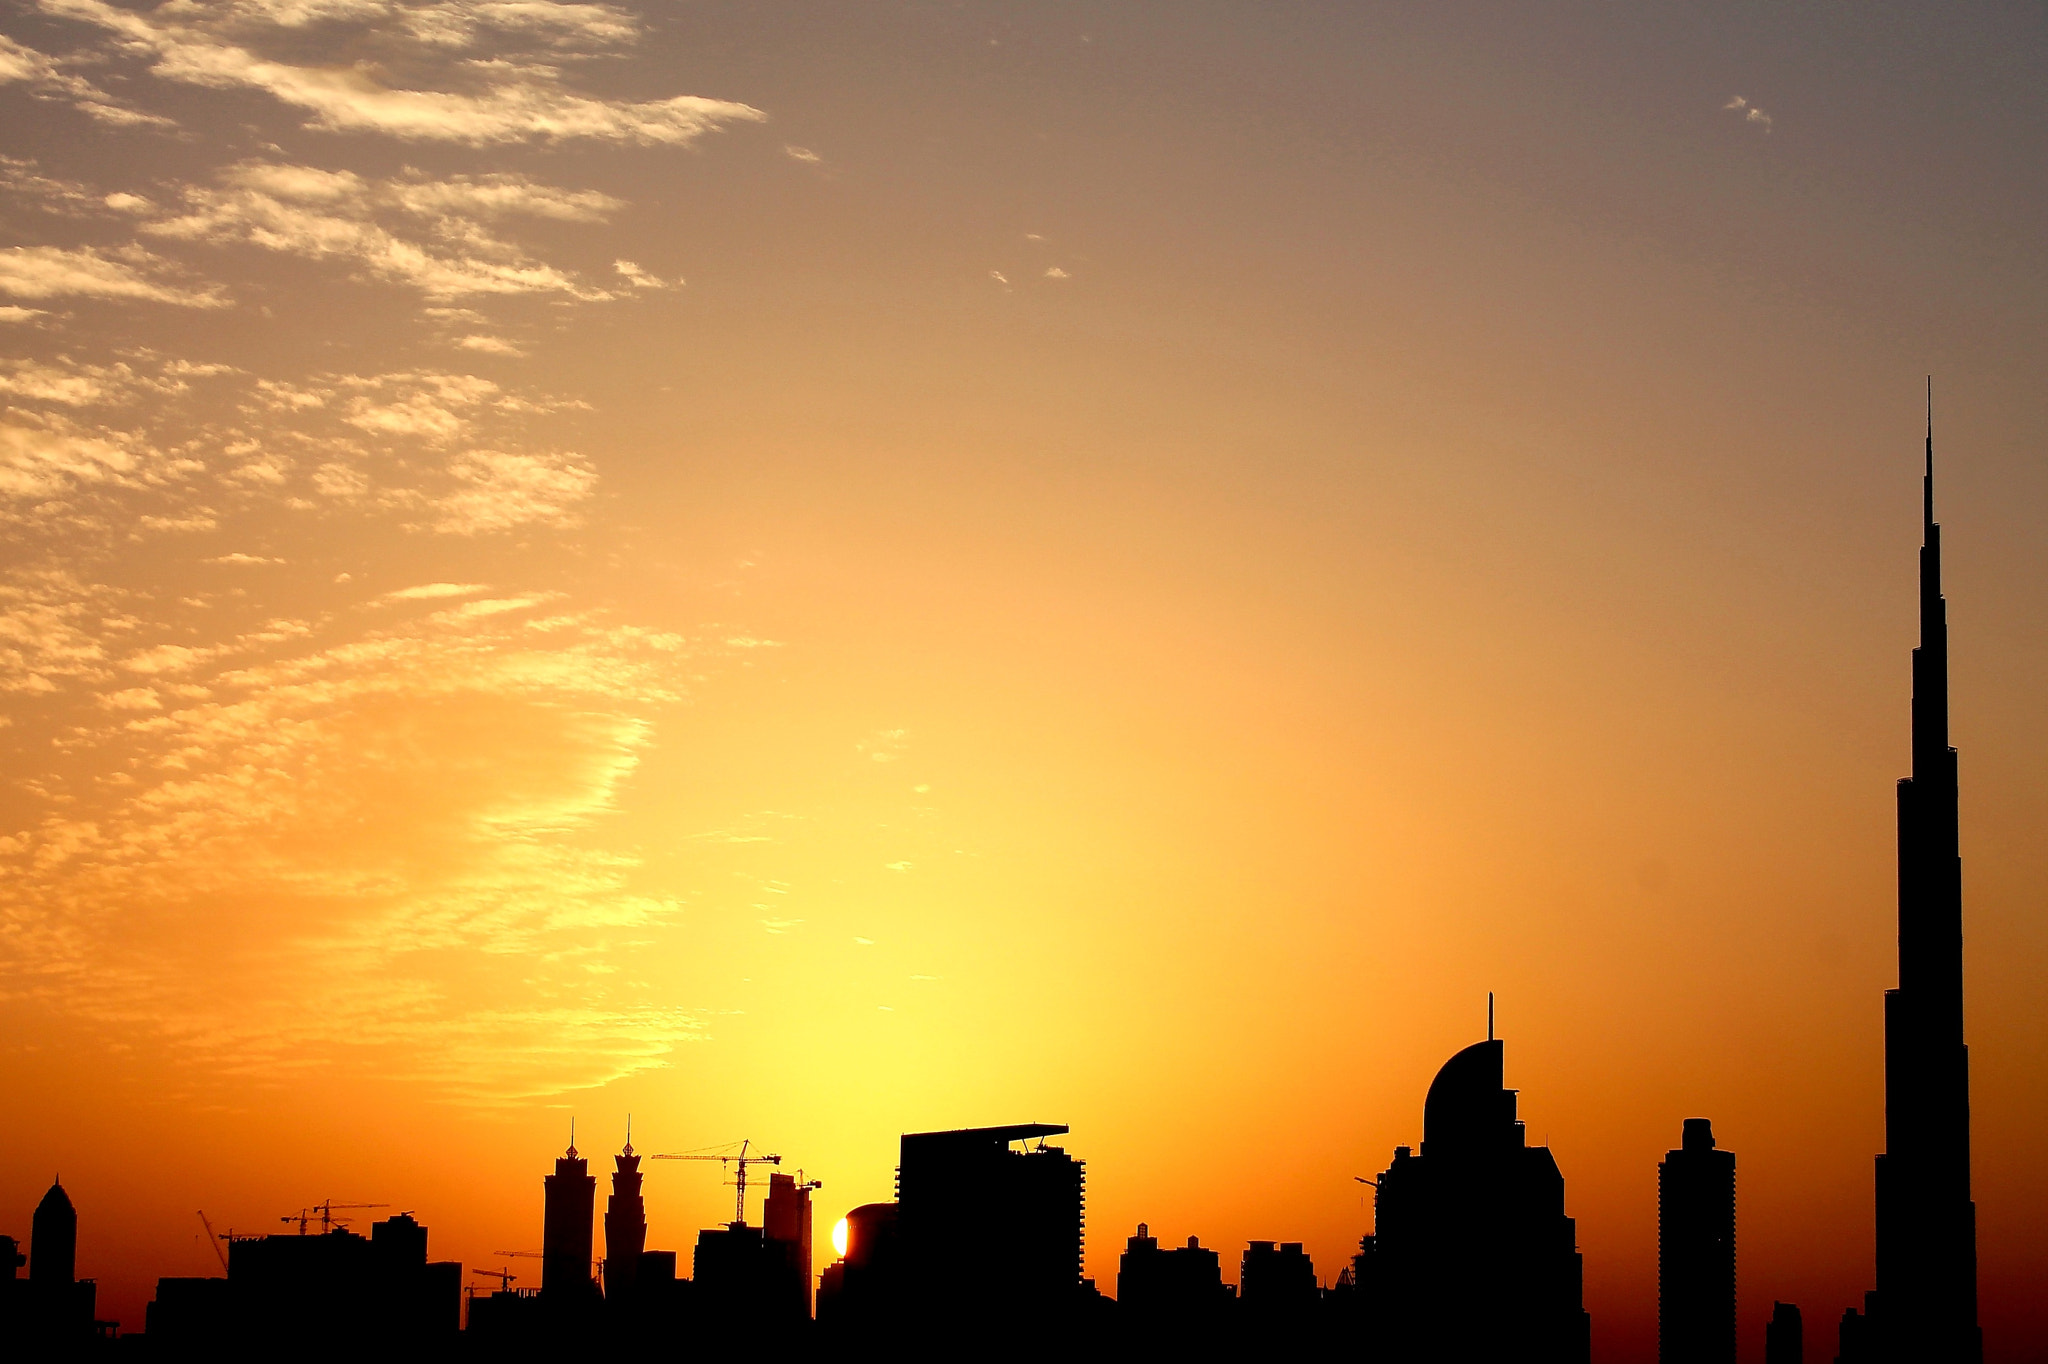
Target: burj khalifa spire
{"x": 1925, "y": 1307}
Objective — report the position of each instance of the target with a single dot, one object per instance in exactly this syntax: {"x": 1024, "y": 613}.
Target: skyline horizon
{"x": 815, "y": 573}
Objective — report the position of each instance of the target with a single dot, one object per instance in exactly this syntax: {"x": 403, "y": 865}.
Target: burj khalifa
{"x": 1925, "y": 1307}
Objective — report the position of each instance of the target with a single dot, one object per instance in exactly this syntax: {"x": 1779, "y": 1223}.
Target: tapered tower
{"x": 1925, "y": 1307}
{"x": 625, "y": 1224}
{"x": 565, "y": 1236}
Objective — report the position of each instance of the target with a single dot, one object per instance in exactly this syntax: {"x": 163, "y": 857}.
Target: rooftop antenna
{"x": 1928, "y": 483}
{"x": 629, "y": 1135}
{"x": 1489, "y": 1015}
{"x": 572, "y": 1139}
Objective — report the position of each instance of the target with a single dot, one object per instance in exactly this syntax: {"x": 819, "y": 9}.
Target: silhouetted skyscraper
{"x": 1696, "y": 1251}
{"x": 981, "y": 1238}
{"x": 53, "y": 1242}
{"x": 786, "y": 1222}
{"x": 1784, "y": 1336}
{"x": 1276, "y": 1279}
{"x": 1474, "y": 1256}
{"x": 989, "y": 1229}
{"x": 1925, "y": 1307}
{"x": 60, "y": 1305}
{"x": 566, "y": 1230}
{"x": 1181, "y": 1287}
{"x": 625, "y": 1226}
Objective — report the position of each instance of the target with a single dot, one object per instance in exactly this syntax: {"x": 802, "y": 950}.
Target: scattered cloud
{"x": 803, "y": 154}
{"x": 1054, "y": 272}
{"x": 47, "y": 80}
{"x": 502, "y": 490}
{"x": 883, "y": 746}
{"x": 637, "y": 277}
{"x": 40, "y": 272}
{"x": 45, "y": 456}
{"x": 319, "y": 847}
{"x": 435, "y": 591}
{"x": 429, "y": 235}
{"x": 516, "y": 93}
{"x": 1750, "y": 113}
{"x": 999, "y": 277}
{"x": 489, "y": 345}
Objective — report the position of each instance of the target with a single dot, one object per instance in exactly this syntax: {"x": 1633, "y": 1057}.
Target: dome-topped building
{"x": 1473, "y": 1256}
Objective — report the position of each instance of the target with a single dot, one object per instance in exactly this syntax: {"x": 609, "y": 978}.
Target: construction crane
{"x": 325, "y": 1211}
{"x": 505, "y": 1277}
{"x": 214, "y": 1239}
{"x": 739, "y": 1162}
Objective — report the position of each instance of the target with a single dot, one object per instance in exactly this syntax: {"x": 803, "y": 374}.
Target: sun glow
{"x": 839, "y": 1238}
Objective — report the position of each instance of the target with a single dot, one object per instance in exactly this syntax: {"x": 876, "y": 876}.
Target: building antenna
{"x": 572, "y": 1139}
{"x": 1489, "y": 1015}
{"x": 629, "y": 1134}
{"x": 1928, "y": 481}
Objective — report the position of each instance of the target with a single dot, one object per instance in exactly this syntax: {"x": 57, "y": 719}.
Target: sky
{"x": 805, "y": 572}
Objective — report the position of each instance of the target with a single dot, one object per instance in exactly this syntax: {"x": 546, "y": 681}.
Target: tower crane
{"x": 505, "y": 1277}
{"x": 214, "y": 1239}
{"x": 739, "y": 1162}
{"x": 325, "y": 1211}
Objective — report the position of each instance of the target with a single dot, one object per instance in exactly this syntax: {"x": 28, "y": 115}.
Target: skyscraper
{"x": 1696, "y": 1251}
{"x": 625, "y": 1225}
{"x": 1784, "y": 1336}
{"x": 1925, "y": 1307}
{"x": 1473, "y": 1254}
{"x": 53, "y": 1243}
{"x": 565, "y": 1230}
{"x": 786, "y": 1225}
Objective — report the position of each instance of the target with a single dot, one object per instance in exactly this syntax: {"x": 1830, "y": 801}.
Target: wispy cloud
{"x": 515, "y": 94}
{"x": 41, "y": 272}
{"x": 47, "y": 80}
{"x": 1750, "y": 113}
{"x": 430, "y": 235}
{"x": 500, "y": 490}
{"x": 366, "y": 822}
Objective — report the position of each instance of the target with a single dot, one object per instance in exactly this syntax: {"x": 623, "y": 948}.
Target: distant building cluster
{"x": 1471, "y": 1257}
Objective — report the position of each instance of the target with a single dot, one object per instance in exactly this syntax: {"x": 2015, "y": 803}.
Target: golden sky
{"x": 805, "y": 572}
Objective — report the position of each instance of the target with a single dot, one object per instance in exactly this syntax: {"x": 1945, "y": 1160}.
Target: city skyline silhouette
{"x": 1471, "y": 1253}
{"x": 747, "y": 583}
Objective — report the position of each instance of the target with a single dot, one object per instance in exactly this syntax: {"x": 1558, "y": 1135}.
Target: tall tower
{"x": 625, "y": 1224}
{"x": 53, "y": 1243}
{"x": 1696, "y": 1251}
{"x": 1925, "y": 1308}
{"x": 565, "y": 1230}
{"x": 786, "y": 1222}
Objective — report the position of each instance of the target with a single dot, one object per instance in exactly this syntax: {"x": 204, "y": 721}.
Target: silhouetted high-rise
{"x": 1276, "y": 1279}
{"x": 1180, "y": 1287}
{"x": 786, "y": 1226}
{"x": 967, "y": 1188}
{"x": 625, "y": 1226}
{"x": 60, "y": 1305}
{"x": 53, "y": 1242}
{"x": 566, "y": 1230}
{"x": 1925, "y": 1306}
{"x": 980, "y": 1235}
{"x": 1696, "y": 1251}
{"x": 1473, "y": 1255}
{"x": 1784, "y": 1336}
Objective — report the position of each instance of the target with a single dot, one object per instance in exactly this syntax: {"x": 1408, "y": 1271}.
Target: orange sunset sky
{"x": 811, "y": 571}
